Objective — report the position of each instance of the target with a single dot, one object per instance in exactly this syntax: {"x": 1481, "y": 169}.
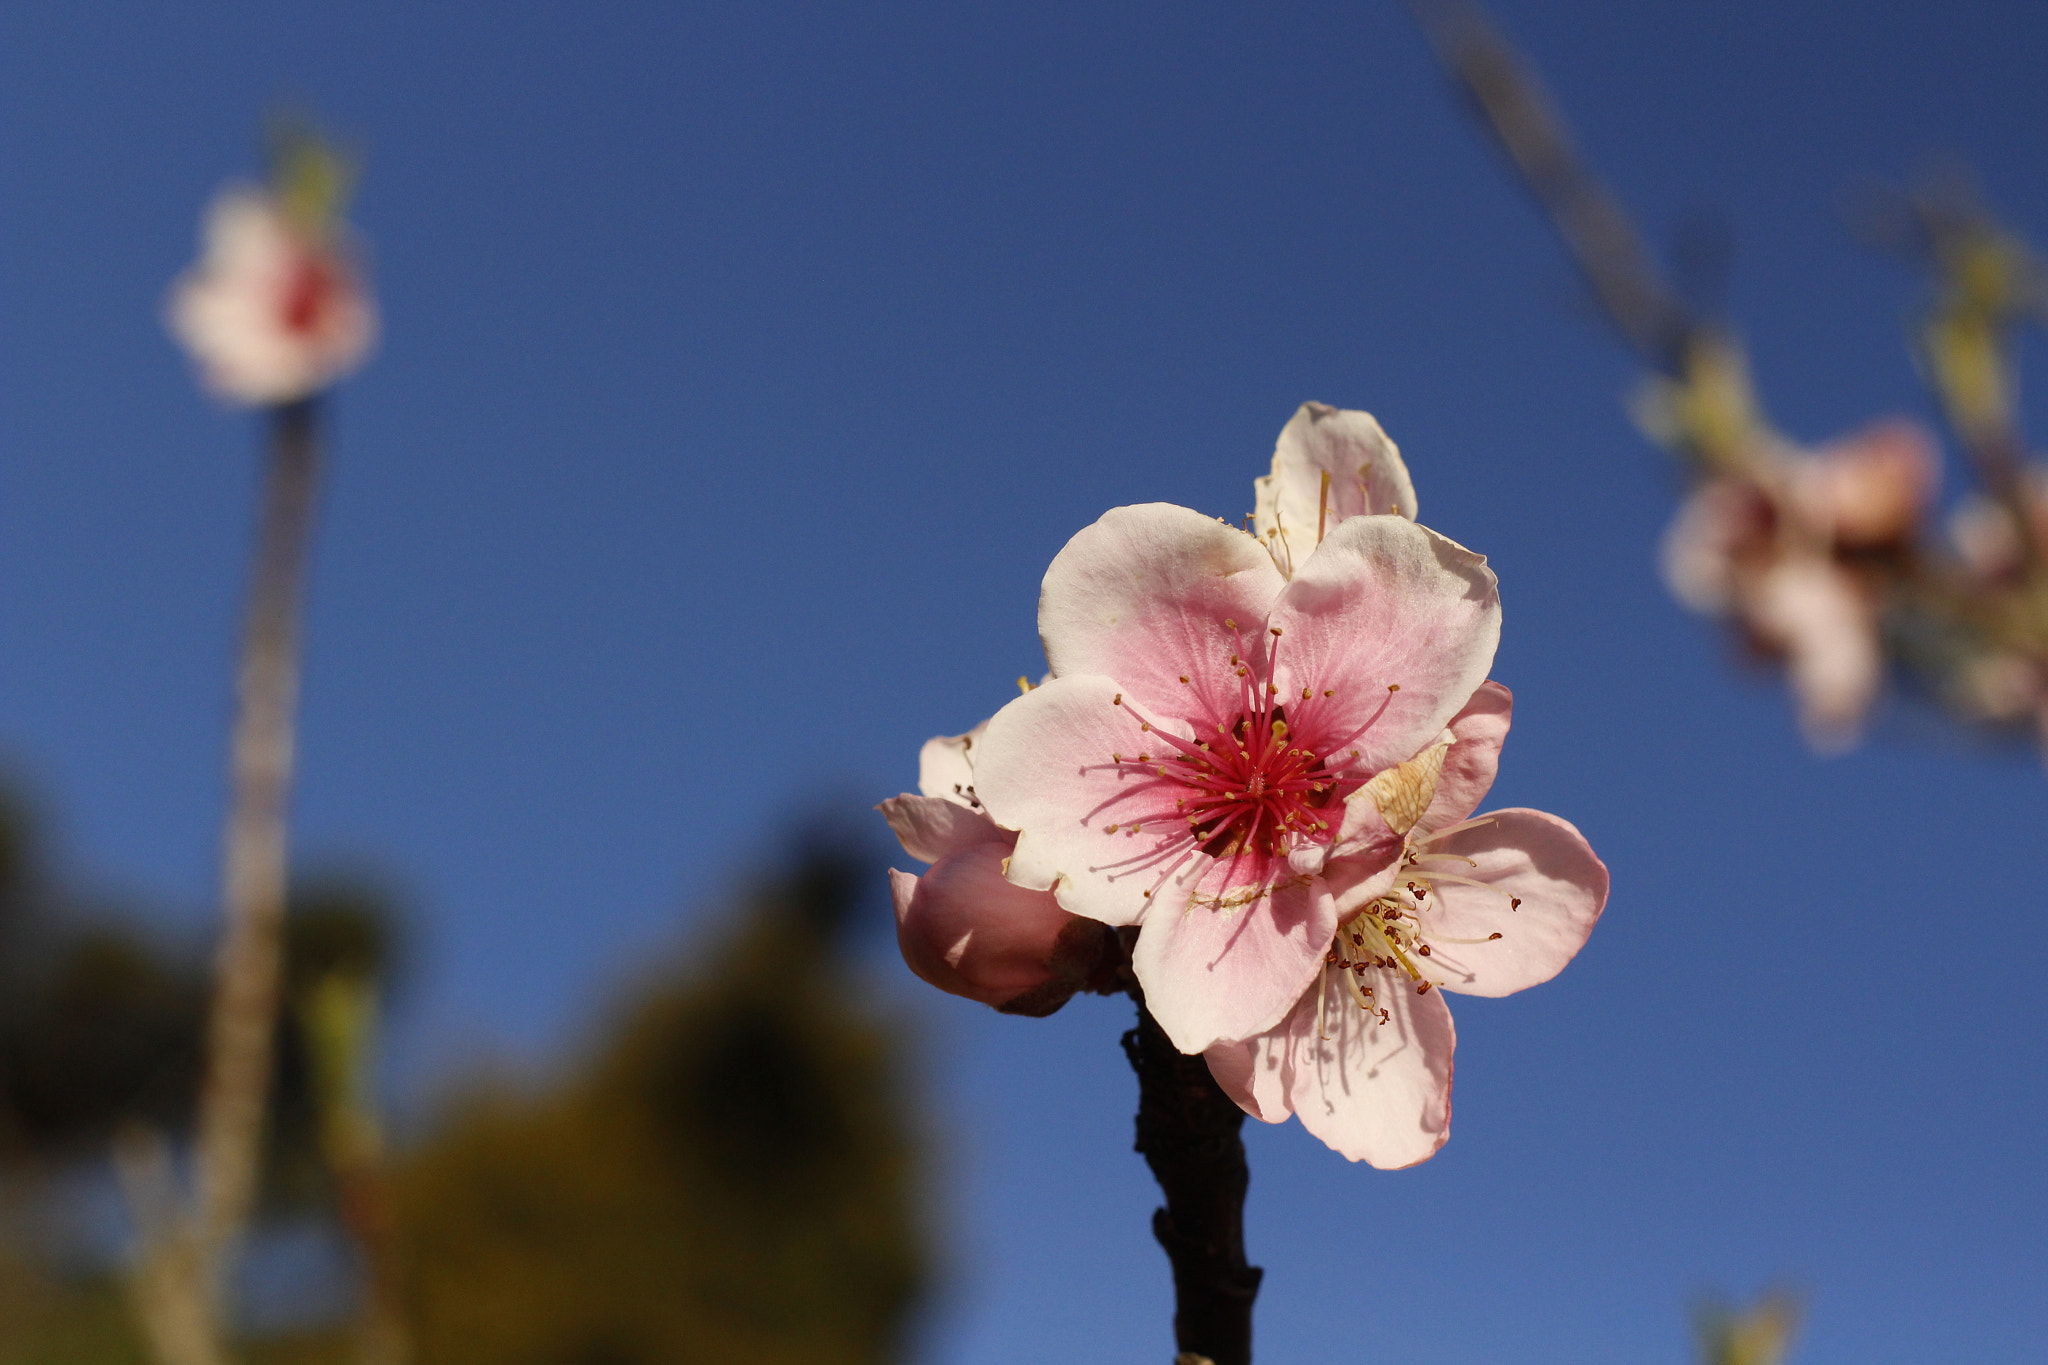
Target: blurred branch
{"x": 1508, "y": 96}
{"x": 167, "y": 1286}
{"x": 1987, "y": 283}
{"x": 242, "y": 1028}
{"x": 187, "y": 1257}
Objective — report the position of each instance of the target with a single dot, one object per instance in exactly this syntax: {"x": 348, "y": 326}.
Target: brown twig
{"x": 1188, "y": 1133}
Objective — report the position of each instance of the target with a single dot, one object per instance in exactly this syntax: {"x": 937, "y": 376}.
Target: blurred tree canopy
{"x": 731, "y": 1180}
{"x": 729, "y": 1176}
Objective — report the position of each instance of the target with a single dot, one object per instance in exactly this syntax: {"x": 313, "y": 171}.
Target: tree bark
{"x": 1188, "y": 1133}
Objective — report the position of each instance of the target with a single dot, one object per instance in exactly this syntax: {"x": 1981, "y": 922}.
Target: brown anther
{"x": 1110, "y": 829}
{"x": 1423, "y": 989}
{"x": 1183, "y": 677}
{"x": 1274, "y": 629}
{"x": 1491, "y": 937}
{"x": 1305, "y": 694}
{"x": 1144, "y": 725}
{"x": 1514, "y": 902}
{"x": 1393, "y": 687}
{"x": 1422, "y": 948}
{"x": 1117, "y": 700}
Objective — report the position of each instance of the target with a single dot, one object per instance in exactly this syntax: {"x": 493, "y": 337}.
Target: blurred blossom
{"x": 1986, "y": 534}
{"x": 1795, "y": 551}
{"x": 276, "y": 309}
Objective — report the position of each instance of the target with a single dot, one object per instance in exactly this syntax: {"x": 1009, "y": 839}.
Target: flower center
{"x": 1388, "y": 935}
{"x": 1252, "y": 786}
{"x": 308, "y": 294}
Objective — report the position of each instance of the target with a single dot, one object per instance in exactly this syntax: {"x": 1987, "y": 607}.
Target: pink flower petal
{"x": 1818, "y": 615}
{"x": 1249, "y": 1073}
{"x": 1477, "y": 733}
{"x": 1213, "y": 973}
{"x": 1142, "y": 595}
{"x": 1374, "y": 1092}
{"x": 1048, "y": 769}
{"x": 1365, "y": 874}
{"x": 965, "y": 929}
{"x": 1517, "y": 855}
{"x": 1384, "y": 602}
{"x": 1869, "y": 488}
{"x": 930, "y": 827}
{"x": 1367, "y": 477}
{"x": 945, "y": 766}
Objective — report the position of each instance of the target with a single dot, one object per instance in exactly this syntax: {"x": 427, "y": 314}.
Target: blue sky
{"x": 744, "y": 366}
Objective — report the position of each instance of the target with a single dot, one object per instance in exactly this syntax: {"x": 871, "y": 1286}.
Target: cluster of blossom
{"x": 1828, "y": 560}
{"x": 1253, "y": 768}
{"x": 1825, "y": 559}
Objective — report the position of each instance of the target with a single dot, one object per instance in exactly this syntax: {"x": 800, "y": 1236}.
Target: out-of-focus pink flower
{"x": 1868, "y": 490}
{"x": 1486, "y": 906}
{"x": 962, "y": 926}
{"x": 1791, "y": 557}
{"x": 274, "y": 311}
{"x": 1987, "y": 537}
{"x": 1187, "y": 765}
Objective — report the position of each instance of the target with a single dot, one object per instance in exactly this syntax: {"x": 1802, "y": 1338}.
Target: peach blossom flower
{"x": 1790, "y": 556}
{"x": 274, "y": 311}
{"x": 1484, "y": 906}
{"x": 1187, "y": 765}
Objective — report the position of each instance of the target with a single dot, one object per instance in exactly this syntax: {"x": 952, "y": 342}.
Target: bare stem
{"x": 1188, "y": 1133}
{"x": 1596, "y": 229}
{"x": 242, "y": 1026}
{"x": 166, "y": 1287}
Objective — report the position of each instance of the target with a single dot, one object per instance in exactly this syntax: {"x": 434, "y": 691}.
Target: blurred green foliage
{"x": 728, "y": 1177}
{"x": 730, "y": 1181}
